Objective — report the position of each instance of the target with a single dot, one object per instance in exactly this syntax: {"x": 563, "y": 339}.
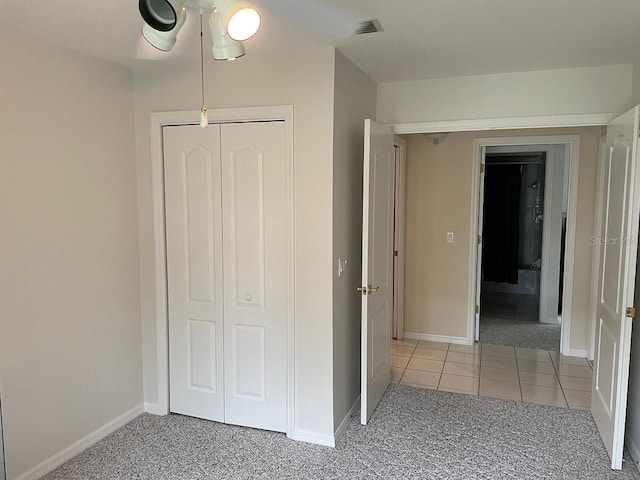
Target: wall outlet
{"x": 449, "y": 237}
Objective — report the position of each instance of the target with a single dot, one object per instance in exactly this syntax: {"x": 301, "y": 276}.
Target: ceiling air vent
{"x": 369, "y": 26}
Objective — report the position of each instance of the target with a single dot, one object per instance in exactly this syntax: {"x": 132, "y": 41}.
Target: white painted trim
{"x": 573, "y": 145}
{"x": 346, "y": 421}
{"x": 153, "y": 409}
{"x": 595, "y": 259}
{"x": 78, "y": 447}
{"x": 311, "y": 437}
{"x": 437, "y": 338}
{"x": 399, "y": 237}
{"x": 192, "y": 117}
{"x": 576, "y": 352}
{"x": 633, "y": 449}
{"x": 549, "y": 121}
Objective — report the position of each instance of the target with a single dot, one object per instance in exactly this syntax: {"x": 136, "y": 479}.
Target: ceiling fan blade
{"x": 314, "y": 16}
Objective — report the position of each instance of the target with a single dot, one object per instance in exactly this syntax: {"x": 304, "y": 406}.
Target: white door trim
{"x": 509, "y": 123}
{"x": 573, "y": 144}
{"x": 192, "y": 117}
{"x": 595, "y": 259}
{"x": 399, "y": 236}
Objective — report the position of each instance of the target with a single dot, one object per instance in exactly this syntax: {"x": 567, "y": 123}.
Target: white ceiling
{"x": 421, "y": 39}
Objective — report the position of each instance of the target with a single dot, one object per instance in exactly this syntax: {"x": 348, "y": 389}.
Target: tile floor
{"x": 509, "y": 373}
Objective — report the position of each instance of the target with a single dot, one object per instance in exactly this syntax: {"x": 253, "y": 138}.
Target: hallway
{"x": 524, "y": 375}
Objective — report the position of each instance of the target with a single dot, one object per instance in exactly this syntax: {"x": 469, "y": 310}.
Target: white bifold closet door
{"x": 227, "y": 265}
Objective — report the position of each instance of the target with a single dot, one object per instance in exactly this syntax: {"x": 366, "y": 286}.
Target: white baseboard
{"x": 346, "y": 421}
{"x": 436, "y": 338}
{"x": 576, "y": 352}
{"x": 633, "y": 449}
{"x": 312, "y": 437}
{"x": 154, "y": 409}
{"x": 71, "y": 451}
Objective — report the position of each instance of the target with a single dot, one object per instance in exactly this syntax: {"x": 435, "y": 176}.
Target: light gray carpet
{"x": 414, "y": 433}
{"x": 520, "y": 333}
{"x": 512, "y": 320}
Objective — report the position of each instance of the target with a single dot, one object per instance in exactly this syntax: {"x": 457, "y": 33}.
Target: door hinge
{"x": 631, "y": 312}
{"x": 479, "y": 239}
{"x": 395, "y": 253}
{"x": 482, "y": 168}
{"x": 477, "y": 308}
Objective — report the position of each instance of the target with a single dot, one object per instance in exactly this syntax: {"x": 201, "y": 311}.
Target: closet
{"x": 228, "y": 274}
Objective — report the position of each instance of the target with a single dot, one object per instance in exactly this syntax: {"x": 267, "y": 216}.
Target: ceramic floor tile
{"x": 536, "y": 367}
{"x": 396, "y": 374}
{"x": 575, "y": 371}
{"x": 426, "y": 365}
{"x": 580, "y": 400}
{"x": 473, "y": 349}
{"x": 399, "y": 362}
{"x": 433, "y": 345}
{"x": 533, "y": 355}
{"x": 402, "y": 350}
{"x": 540, "y": 379}
{"x": 457, "y": 383}
{"x": 548, "y": 404}
{"x": 499, "y": 362}
{"x": 468, "y": 358}
{"x": 543, "y": 395}
{"x": 429, "y": 354}
{"x": 417, "y": 385}
{"x": 419, "y": 377}
{"x": 562, "y": 360}
{"x": 498, "y": 351}
{"x": 501, "y": 374}
{"x": 499, "y": 389}
{"x": 405, "y": 342}
{"x": 463, "y": 369}
{"x": 462, "y": 392}
{"x": 575, "y": 383}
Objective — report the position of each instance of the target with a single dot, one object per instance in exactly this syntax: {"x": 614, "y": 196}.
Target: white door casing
{"x": 618, "y": 257}
{"x": 254, "y": 186}
{"x": 399, "y": 225}
{"x": 194, "y": 270}
{"x": 377, "y": 264}
{"x": 228, "y": 244}
{"x": 479, "y": 242}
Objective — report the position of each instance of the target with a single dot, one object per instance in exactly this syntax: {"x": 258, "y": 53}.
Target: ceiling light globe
{"x": 243, "y": 24}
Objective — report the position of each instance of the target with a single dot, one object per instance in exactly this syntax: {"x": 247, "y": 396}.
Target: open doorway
{"x": 523, "y": 235}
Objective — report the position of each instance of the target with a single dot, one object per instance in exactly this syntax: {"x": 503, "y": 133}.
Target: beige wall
{"x": 70, "y": 356}
{"x": 551, "y": 92}
{"x": 304, "y": 80}
{"x": 439, "y": 183}
{"x": 354, "y": 100}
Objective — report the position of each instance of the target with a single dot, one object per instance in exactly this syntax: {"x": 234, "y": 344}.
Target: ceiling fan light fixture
{"x": 162, "y": 38}
{"x": 243, "y": 24}
{"x": 240, "y": 18}
{"x": 224, "y": 47}
{"x": 161, "y": 15}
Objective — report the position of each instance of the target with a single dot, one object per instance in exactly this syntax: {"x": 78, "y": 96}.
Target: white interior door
{"x": 399, "y": 234}
{"x": 618, "y": 258}
{"x": 255, "y": 242}
{"x": 377, "y": 264}
{"x": 479, "y": 242}
{"x": 194, "y": 270}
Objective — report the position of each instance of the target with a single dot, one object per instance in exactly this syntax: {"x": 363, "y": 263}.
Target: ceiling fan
{"x": 233, "y": 21}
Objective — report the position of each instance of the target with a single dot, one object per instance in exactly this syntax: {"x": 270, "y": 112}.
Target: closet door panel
{"x": 194, "y": 270}
{"x": 255, "y": 244}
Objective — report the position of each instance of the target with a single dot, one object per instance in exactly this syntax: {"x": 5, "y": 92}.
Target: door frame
{"x": 572, "y": 152}
{"x": 399, "y": 237}
{"x": 158, "y": 120}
